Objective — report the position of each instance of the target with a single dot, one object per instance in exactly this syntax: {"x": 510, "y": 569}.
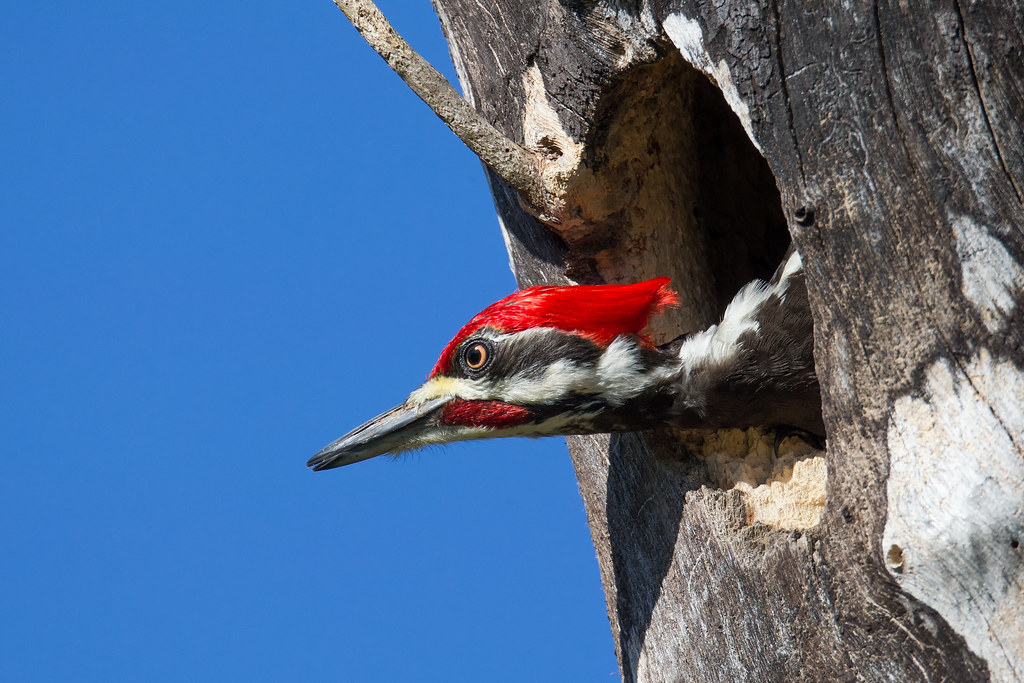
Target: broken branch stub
{"x": 517, "y": 165}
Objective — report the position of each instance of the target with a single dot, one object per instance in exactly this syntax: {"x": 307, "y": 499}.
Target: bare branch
{"x": 517, "y": 165}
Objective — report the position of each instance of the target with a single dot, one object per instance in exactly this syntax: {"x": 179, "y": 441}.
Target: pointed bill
{"x": 394, "y": 430}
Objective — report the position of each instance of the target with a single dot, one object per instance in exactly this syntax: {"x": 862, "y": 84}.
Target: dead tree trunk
{"x": 693, "y": 140}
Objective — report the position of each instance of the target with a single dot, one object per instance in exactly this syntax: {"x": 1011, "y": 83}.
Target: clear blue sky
{"x": 227, "y": 235}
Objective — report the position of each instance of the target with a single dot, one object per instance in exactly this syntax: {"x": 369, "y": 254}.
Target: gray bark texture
{"x": 694, "y": 140}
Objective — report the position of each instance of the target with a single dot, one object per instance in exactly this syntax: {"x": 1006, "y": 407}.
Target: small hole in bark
{"x": 804, "y": 216}
{"x": 847, "y": 515}
{"x": 894, "y": 558}
{"x": 1015, "y": 544}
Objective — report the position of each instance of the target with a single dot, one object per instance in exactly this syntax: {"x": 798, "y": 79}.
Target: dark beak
{"x": 399, "y": 429}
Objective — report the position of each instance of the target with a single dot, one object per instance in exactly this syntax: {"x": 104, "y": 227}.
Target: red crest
{"x": 598, "y": 312}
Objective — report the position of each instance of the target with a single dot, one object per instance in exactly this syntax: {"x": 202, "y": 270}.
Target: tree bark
{"x": 694, "y": 140}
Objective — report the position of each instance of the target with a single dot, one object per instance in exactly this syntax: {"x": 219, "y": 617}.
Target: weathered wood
{"x": 893, "y": 135}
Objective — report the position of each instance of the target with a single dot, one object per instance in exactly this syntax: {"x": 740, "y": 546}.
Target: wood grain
{"x": 886, "y": 140}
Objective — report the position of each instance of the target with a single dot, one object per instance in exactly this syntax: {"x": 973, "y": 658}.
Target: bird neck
{"x": 756, "y": 367}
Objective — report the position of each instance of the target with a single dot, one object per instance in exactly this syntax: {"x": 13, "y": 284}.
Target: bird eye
{"x": 476, "y": 355}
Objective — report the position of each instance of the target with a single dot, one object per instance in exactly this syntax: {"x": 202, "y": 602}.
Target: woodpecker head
{"x": 542, "y": 362}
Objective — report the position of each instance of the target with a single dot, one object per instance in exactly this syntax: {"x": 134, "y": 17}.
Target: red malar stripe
{"x": 492, "y": 414}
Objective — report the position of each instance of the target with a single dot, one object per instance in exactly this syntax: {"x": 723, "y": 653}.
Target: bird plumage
{"x": 577, "y": 360}
{"x": 598, "y": 312}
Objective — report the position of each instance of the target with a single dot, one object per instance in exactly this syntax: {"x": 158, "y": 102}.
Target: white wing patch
{"x": 719, "y": 344}
{"x": 793, "y": 266}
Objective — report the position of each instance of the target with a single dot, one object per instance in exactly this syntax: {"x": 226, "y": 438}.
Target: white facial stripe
{"x": 621, "y": 371}
{"x": 618, "y": 376}
{"x": 558, "y": 381}
{"x": 456, "y": 387}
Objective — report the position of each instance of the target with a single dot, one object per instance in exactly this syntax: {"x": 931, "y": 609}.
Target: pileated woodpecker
{"x": 548, "y": 360}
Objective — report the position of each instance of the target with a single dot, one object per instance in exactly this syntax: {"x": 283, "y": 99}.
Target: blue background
{"x": 229, "y": 234}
